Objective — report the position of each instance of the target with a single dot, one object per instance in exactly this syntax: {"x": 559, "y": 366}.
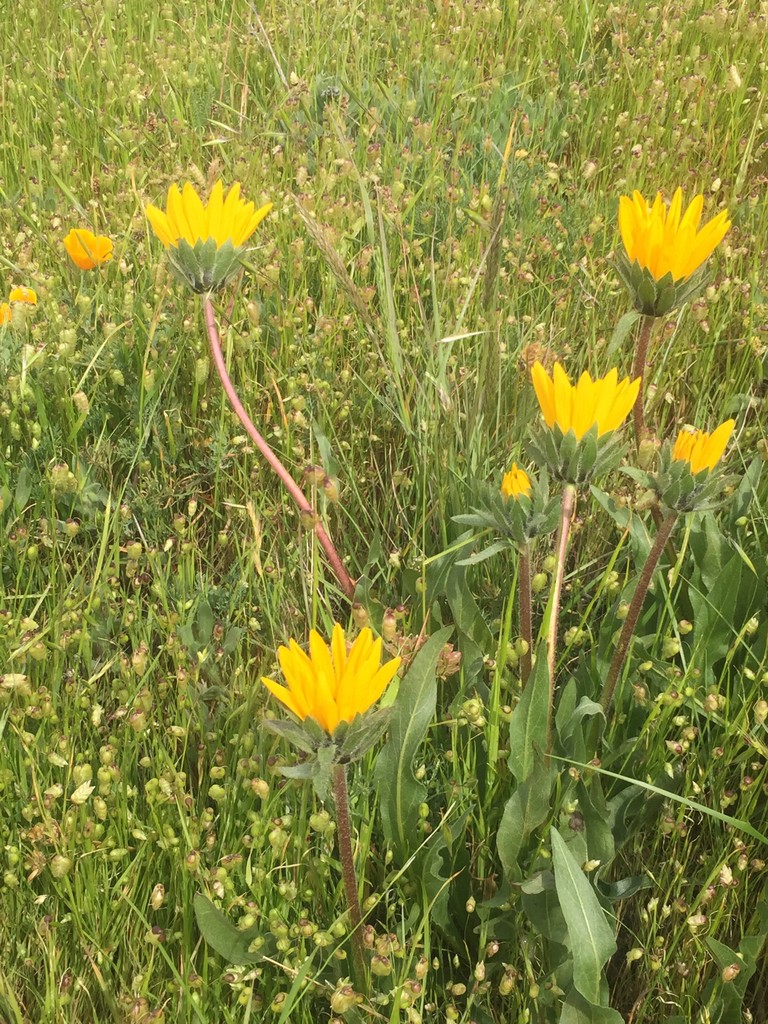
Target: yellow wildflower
{"x": 516, "y": 483}
{"x": 86, "y": 250}
{"x": 6, "y": 313}
{"x": 605, "y": 402}
{"x": 224, "y": 220}
{"x": 668, "y": 241}
{"x": 702, "y": 451}
{"x": 332, "y": 685}
{"x": 23, "y": 294}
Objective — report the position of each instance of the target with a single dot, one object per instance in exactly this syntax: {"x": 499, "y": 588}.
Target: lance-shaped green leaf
{"x": 399, "y": 792}
{"x": 229, "y": 941}
{"x": 591, "y": 937}
{"x": 528, "y": 726}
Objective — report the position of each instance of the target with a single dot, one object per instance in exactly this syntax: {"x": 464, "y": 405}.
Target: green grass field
{"x": 393, "y": 303}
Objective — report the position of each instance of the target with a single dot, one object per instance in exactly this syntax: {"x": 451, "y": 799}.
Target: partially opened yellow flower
{"x": 86, "y": 250}
{"x": 664, "y": 248}
{"x": 702, "y": 451}
{"x": 205, "y": 241}
{"x": 332, "y": 685}
{"x": 6, "y": 313}
{"x": 22, "y": 294}
{"x": 516, "y": 483}
{"x": 604, "y": 403}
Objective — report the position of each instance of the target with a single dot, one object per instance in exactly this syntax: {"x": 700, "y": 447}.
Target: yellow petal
{"x": 339, "y": 652}
{"x": 160, "y": 225}
{"x": 545, "y": 393}
{"x": 177, "y": 213}
{"x": 213, "y": 214}
{"x": 563, "y": 398}
{"x": 284, "y": 695}
{"x": 715, "y": 444}
{"x": 195, "y": 213}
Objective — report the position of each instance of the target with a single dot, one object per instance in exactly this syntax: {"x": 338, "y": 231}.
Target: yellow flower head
{"x": 86, "y": 250}
{"x": 6, "y": 313}
{"x": 224, "y": 220}
{"x": 702, "y": 450}
{"x": 605, "y": 402}
{"x": 23, "y": 294}
{"x": 668, "y": 241}
{"x": 332, "y": 685}
{"x": 515, "y": 483}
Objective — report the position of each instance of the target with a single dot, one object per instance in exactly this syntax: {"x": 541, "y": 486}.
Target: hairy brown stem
{"x": 638, "y": 370}
{"x": 635, "y": 607}
{"x": 567, "y": 510}
{"x": 526, "y": 628}
{"x": 341, "y": 799}
{"x": 345, "y": 580}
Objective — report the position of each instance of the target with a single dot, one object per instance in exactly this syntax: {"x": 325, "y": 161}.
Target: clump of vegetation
{"x": 555, "y": 812}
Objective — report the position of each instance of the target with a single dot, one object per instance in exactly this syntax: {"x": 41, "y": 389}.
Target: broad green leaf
{"x": 542, "y": 908}
{"x": 528, "y": 727}
{"x": 527, "y": 808}
{"x": 576, "y": 1010}
{"x": 618, "y": 343}
{"x": 227, "y": 939}
{"x": 625, "y": 519}
{"x": 739, "y": 503}
{"x": 414, "y": 709}
{"x": 23, "y": 489}
{"x": 623, "y": 888}
{"x": 592, "y": 938}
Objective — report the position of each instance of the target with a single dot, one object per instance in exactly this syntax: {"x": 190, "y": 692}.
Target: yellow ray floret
{"x": 700, "y": 449}
{"x": 224, "y": 220}
{"x": 515, "y": 483}
{"x": 605, "y": 402}
{"x": 330, "y": 684}
{"x": 665, "y": 241}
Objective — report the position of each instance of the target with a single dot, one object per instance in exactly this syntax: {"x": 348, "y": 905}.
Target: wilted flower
{"x": 604, "y": 403}
{"x": 702, "y": 451}
{"x": 86, "y": 250}
{"x": 205, "y": 242}
{"x": 516, "y": 483}
{"x": 332, "y": 685}
{"x": 23, "y": 294}
{"x": 664, "y": 249}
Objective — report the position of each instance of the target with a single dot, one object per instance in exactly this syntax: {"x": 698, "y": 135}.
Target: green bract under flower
{"x": 513, "y": 522}
{"x": 657, "y": 298}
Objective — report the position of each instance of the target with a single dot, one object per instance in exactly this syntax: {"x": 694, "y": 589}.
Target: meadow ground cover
{"x": 557, "y": 811}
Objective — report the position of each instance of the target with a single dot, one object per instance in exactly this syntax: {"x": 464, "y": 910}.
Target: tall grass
{"x": 151, "y": 566}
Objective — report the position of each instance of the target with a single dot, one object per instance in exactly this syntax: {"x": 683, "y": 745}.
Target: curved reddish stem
{"x": 345, "y": 580}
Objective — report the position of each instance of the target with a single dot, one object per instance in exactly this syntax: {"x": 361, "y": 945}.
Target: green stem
{"x": 638, "y": 370}
{"x": 344, "y": 831}
{"x": 567, "y": 510}
{"x": 345, "y": 580}
{"x": 526, "y": 628}
{"x": 635, "y": 607}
